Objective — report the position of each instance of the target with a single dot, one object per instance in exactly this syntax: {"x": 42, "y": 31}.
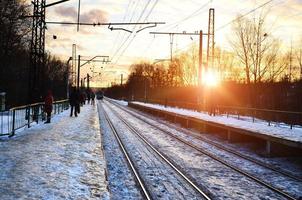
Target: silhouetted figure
{"x": 92, "y": 98}
{"x": 48, "y": 105}
{"x": 82, "y": 98}
{"x": 88, "y": 96}
{"x": 73, "y": 101}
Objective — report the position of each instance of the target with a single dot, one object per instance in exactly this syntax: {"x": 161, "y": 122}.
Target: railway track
{"x": 139, "y": 179}
{"x": 254, "y": 178}
{"x": 215, "y": 144}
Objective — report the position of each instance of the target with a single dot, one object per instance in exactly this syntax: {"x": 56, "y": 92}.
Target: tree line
{"x": 15, "y": 38}
{"x": 258, "y": 71}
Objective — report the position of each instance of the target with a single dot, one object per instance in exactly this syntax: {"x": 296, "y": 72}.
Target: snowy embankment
{"x": 258, "y": 127}
{"x": 61, "y": 160}
{"x": 121, "y": 102}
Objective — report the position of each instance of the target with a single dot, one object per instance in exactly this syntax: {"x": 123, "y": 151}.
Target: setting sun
{"x": 211, "y": 78}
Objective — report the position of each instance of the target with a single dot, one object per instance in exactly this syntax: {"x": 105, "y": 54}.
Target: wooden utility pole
{"x": 121, "y": 79}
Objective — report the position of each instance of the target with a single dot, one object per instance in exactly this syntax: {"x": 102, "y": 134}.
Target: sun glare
{"x": 211, "y": 79}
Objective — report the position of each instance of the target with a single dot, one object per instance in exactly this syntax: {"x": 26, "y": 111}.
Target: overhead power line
{"x": 124, "y": 18}
{"x": 104, "y": 24}
{"x": 125, "y": 41}
{"x": 241, "y": 16}
{"x": 232, "y": 21}
{"x": 193, "y": 14}
{"x": 136, "y": 33}
{"x": 133, "y": 11}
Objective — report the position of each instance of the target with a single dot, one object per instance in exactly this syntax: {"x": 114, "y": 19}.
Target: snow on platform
{"x": 61, "y": 160}
{"x": 259, "y": 127}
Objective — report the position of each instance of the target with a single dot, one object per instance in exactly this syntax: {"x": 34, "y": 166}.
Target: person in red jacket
{"x": 48, "y": 105}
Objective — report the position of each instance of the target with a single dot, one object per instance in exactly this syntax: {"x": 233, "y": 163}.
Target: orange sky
{"x": 180, "y": 15}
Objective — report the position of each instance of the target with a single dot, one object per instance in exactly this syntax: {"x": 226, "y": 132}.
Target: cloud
{"x": 91, "y": 16}
{"x": 68, "y": 12}
{"x": 95, "y": 15}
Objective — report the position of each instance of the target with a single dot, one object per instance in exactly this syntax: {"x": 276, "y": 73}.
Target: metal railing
{"x": 289, "y": 118}
{"x": 22, "y": 116}
{"x": 279, "y": 116}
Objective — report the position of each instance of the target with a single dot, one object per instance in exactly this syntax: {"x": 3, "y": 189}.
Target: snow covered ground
{"x": 60, "y": 160}
{"x": 222, "y": 182}
{"x": 278, "y": 180}
{"x": 121, "y": 183}
{"x": 259, "y": 127}
{"x": 161, "y": 180}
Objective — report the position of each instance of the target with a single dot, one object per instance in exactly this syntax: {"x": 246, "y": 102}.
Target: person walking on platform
{"x": 88, "y": 96}
{"x": 78, "y": 101}
{"x": 82, "y": 98}
{"x": 92, "y": 97}
{"x": 48, "y": 105}
{"x": 73, "y": 101}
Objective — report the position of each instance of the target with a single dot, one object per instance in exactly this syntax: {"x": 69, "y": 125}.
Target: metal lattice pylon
{"x": 211, "y": 39}
{"x": 37, "y": 57}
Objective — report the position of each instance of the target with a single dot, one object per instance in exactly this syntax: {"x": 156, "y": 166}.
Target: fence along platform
{"x": 22, "y": 116}
{"x": 273, "y": 145}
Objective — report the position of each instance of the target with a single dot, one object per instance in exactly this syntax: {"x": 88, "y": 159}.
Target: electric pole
{"x": 88, "y": 81}
{"x": 121, "y": 79}
{"x": 78, "y": 77}
{"x": 74, "y": 65}
{"x": 37, "y": 46}
{"x": 200, "y": 59}
{"x": 211, "y": 39}
{"x": 200, "y": 34}
{"x": 88, "y": 61}
{"x": 36, "y": 78}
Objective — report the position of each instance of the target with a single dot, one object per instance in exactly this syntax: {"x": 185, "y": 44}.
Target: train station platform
{"x": 60, "y": 160}
{"x": 276, "y": 139}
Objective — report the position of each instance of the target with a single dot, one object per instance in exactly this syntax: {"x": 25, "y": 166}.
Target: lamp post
{"x": 67, "y": 76}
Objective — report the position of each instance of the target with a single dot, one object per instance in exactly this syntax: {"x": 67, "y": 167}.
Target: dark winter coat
{"x": 73, "y": 98}
{"x": 48, "y": 103}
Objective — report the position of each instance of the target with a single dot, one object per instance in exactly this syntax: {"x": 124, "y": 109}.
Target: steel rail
{"x": 229, "y": 165}
{"x": 191, "y": 183}
{"x": 145, "y": 192}
{"x": 219, "y": 146}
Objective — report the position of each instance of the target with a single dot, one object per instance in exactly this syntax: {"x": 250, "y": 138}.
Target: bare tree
{"x": 241, "y": 42}
{"x": 256, "y": 48}
{"x": 189, "y": 68}
{"x": 298, "y": 55}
